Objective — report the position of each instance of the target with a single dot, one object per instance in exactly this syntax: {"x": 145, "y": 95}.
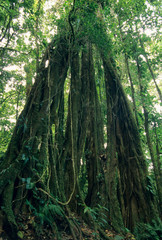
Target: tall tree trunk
{"x": 94, "y": 140}
{"x": 112, "y": 160}
{"x": 74, "y": 101}
{"x": 131, "y": 163}
{"x": 26, "y": 162}
{"x": 149, "y": 142}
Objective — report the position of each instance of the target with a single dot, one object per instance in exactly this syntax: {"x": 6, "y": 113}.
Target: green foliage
{"x": 27, "y": 181}
{"x": 53, "y": 210}
{"x": 98, "y": 214}
{"x": 117, "y": 237}
{"x": 150, "y": 186}
{"x": 20, "y": 234}
{"x": 148, "y": 231}
{"x": 11, "y": 100}
{"x": 50, "y": 213}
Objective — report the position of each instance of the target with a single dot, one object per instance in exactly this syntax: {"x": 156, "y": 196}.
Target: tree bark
{"x": 94, "y": 140}
{"x": 27, "y": 159}
{"x": 131, "y": 162}
{"x": 148, "y": 137}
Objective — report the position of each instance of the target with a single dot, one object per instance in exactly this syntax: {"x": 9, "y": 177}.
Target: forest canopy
{"x": 80, "y": 123}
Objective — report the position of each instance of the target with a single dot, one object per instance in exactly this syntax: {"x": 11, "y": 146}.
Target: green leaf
{"x": 20, "y": 234}
{"x": 117, "y": 237}
{"x": 29, "y": 185}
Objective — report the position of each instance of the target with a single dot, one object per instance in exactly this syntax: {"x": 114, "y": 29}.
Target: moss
{"x": 11, "y": 225}
{"x": 7, "y": 203}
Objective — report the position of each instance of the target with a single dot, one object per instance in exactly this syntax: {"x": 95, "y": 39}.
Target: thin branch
{"x": 12, "y": 94}
{"x": 5, "y": 8}
{"x": 7, "y": 28}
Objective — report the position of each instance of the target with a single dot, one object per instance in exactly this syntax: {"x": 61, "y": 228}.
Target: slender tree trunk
{"x": 149, "y": 142}
{"x": 157, "y": 150}
{"x": 17, "y": 104}
{"x": 129, "y": 75}
{"x": 36, "y": 30}
{"x": 150, "y": 68}
{"x": 74, "y": 104}
{"x": 132, "y": 89}
{"x": 155, "y": 163}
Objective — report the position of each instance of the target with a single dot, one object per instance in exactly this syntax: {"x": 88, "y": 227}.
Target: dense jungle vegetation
{"x": 80, "y": 123}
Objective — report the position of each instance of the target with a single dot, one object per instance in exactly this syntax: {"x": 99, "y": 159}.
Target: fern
{"x": 49, "y": 213}
{"x": 41, "y": 217}
{"x": 53, "y": 210}
{"x": 97, "y": 215}
{"x": 148, "y": 232}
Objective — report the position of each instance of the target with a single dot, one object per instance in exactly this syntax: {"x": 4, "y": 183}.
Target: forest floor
{"x": 31, "y": 229}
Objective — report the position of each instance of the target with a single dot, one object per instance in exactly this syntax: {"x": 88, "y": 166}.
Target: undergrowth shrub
{"x": 148, "y": 231}
{"x": 49, "y": 213}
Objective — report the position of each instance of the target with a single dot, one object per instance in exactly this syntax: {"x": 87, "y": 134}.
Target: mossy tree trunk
{"x": 94, "y": 141}
{"x": 135, "y": 200}
{"x": 148, "y": 137}
{"x": 73, "y": 162}
{"x": 112, "y": 158}
{"x": 26, "y": 164}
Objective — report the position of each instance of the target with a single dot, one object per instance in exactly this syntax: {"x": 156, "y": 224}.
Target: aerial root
{"x": 74, "y": 228}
